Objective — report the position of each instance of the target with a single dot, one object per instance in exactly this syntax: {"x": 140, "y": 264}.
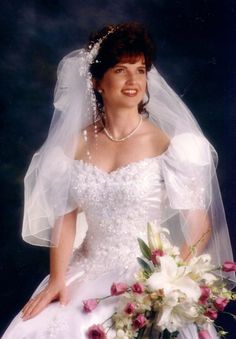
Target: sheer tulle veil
{"x": 48, "y": 179}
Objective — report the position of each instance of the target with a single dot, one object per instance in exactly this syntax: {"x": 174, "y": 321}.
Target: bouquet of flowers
{"x": 167, "y": 295}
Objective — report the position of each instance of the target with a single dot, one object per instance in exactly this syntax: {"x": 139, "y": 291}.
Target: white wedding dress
{"x": 117, "y": 206}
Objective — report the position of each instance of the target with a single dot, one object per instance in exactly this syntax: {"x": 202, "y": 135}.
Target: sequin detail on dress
{"x": 117, "y": 206}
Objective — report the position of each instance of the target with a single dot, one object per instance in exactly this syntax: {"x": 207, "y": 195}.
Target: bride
{"x": 122, "y": 150}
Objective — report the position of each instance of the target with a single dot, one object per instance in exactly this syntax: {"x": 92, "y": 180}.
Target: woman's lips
{"x": 130, "y": 92}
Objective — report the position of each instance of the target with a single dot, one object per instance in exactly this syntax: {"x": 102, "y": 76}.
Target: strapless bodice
{"x": 117, "y": 206}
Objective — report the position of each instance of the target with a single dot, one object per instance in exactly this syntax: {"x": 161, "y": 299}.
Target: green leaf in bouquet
{"x": 146, "y": 252}
{"x": 169, "y": 335}
{"x": 140, "y": 333}
{"x": 145, "y": 266}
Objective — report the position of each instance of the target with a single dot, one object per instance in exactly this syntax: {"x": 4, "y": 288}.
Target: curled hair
{"x": 128, "y": 41}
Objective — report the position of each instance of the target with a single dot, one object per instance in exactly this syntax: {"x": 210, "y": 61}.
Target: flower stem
{"x": 195, "y": 244}
{"x": 231, "y": 314}
{"x": 108, "y": 318}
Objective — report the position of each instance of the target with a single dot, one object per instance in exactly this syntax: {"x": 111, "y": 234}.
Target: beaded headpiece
{"x": 91, "y": 53}
{"x": 88, "y": 57}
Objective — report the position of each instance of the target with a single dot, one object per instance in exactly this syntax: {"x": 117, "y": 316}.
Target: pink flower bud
{"x": 140, "y": 321}
{"x": 205, "y": 293}
{"x": 90, "y": 305}
{"x": 96, "y": 332}
{"x": 155, "y": 256}
{"x": 129, "y": 308}
{"x": 229, "y": 266}
{"x": 220, "y": 303}
{"x": 204, "y": 334}
{"x": 137, "y": 288}
{"x": 210, "y": 313}
{"x": 118, "y": 288}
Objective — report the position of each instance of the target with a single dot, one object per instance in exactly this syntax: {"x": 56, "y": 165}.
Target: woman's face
{"x": 124, "y": 85}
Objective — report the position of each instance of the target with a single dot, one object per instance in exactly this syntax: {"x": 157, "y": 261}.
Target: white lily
{"x": 200, "y": 267}
{"x": 167, "y": 247}
{"x": 175, "y": 315}
{"x": 171, "y": 278}
{"x": 154, "y": 235}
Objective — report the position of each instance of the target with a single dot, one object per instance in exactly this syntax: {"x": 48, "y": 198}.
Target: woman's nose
{"x": 131, "y": 77}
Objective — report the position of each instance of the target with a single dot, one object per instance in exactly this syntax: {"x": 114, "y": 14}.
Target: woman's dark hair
{"x": 129, "y": 41}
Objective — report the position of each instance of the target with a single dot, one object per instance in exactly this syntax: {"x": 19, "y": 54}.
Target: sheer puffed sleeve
{"x": 194, "y": 210}
{"x": 186, "y": 172}
{"x": 48, "y": 197}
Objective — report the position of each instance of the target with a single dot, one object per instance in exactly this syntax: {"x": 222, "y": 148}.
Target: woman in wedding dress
{"x": 122, "y": 150}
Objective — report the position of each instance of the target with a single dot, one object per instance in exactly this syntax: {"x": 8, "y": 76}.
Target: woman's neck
{"x": 120, "y": 122}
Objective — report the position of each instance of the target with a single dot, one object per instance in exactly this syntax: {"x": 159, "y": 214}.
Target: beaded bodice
{"x": 117, "y": 206}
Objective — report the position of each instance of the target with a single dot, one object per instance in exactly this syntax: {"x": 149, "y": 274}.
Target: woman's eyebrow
{"x": 123, "y": 65}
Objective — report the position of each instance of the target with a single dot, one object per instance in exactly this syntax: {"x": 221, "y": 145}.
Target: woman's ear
{"x": 96, "y": 86}
{"x": 94, "y": 81}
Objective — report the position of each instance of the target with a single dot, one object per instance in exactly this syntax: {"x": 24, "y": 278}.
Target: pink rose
{"x": 155, "y": 256}
{"x": 205, "y": 293}
{"x": 210, "y": 313}
{"x": 204, "y": 334}
{"x": 129, "y": 308}
{"x": 137, "y": 288}
{"x": 229, "y": 266}
{"x": 140, "y": 321}
{"x": 220, "y": 303}
{"x": 118, "y": 288}
{"x": 90, "y": 305}
{"x": 96, "y": 332}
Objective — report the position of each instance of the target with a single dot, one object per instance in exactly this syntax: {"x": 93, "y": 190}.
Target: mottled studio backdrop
{"x": 196, "y": 54}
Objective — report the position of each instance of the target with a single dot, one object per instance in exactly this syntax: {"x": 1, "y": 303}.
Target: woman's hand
{"x": 59, "y": 258}
{"x": 56, "y": 290}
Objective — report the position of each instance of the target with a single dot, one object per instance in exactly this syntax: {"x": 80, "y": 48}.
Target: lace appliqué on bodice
{"x": 117, "y": 206}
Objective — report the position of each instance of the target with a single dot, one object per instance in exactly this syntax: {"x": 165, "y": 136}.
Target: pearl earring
{"x": 100, "y": 91}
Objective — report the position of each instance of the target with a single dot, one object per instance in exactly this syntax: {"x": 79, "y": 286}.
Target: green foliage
{"x": 145, "y": 266}
{"x": 168, "y": 335}
{"x": 146, "y": 252}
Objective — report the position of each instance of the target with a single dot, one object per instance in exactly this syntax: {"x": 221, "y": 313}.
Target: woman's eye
{"x": 142, "y": 71}
{"x": 119, "y": 70}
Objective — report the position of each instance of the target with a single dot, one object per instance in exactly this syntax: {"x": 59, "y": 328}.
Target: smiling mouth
{"x": 130, "y": 92}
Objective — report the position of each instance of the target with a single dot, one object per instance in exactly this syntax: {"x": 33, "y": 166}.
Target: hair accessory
{"x": 89, "y": 56}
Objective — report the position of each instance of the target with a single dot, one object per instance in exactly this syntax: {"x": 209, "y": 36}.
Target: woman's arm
{"x": 59, "y": 260}
{"x": 60, "y": 255}
{"x": 198, "y": 233}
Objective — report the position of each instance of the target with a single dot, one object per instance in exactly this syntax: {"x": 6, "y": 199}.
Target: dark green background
{"x": 196, "y": 55}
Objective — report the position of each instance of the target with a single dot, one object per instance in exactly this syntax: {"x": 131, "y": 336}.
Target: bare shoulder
{"x": 158, "y": 138}
{"x": 90, "y": 129}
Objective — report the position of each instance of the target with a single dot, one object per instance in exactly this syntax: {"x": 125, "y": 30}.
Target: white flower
{"x": 200, "y": 267}
{"x": 173, "y": 278}
{"x": 174, "y": 315}
{"x": 154, "y": 232}
{"x": 167, "y": 247}
{"x": 120, "y": 334}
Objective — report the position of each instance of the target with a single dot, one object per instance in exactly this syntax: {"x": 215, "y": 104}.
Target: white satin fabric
{"x": 117, "y": 206}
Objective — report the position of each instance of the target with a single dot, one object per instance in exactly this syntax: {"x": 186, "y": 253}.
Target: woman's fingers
{"x": 35, "y": 305}
{"x": 24, "y": 309}
{"x": 26, "y": 312}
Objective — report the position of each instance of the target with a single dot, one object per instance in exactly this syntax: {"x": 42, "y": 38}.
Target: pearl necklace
{"x": 127, "y": 136}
